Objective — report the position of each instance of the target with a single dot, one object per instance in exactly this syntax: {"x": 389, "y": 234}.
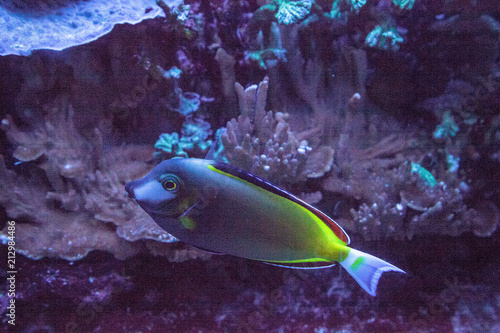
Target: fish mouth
{"x": 130, "y": 190}
{"x": 150, "y": 208}
{"x": 130, "y": 187}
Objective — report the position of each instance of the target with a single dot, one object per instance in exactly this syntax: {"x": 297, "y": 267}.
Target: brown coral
{"x": 70, "y": 199}
{"x": 389, "y": 201}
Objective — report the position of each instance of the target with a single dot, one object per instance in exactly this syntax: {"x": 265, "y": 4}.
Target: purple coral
{"x": 262, "y": 143}
{"x": 28, "y": 25}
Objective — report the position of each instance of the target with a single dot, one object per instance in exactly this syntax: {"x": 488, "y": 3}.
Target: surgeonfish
{"x": 220, "y": 208}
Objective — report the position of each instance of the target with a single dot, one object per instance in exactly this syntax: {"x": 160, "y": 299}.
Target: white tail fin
{"x": 367, "y": 269}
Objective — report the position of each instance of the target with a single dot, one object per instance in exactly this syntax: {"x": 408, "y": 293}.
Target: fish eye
{"x": 170, "y": 183}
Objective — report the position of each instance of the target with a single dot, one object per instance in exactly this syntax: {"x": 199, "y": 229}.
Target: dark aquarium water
{"x": 382, "y": 114}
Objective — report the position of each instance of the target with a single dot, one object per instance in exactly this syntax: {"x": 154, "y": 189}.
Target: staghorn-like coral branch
{"x": 262, "y": 143}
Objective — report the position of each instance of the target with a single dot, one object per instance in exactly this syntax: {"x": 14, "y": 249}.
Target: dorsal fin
{"x": 268, "y": 186}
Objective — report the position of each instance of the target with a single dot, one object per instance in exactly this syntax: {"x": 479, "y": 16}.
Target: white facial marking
{"x": 152, "y": 192}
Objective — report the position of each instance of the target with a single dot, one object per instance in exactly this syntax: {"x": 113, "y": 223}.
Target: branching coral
{"x": 385, "y": 34}
{"x": 52, "y": 232}
{"x": 262, "y": 143}
{"x": 324, "y": 80}
{"x": 388, "y": 197}
{"x": 318, "y": 63}
{"x": 397, "y": 202}
{"x": 267, "y": 52}
{"x": 385, "y": 188}
{"x": 69, "y": 199}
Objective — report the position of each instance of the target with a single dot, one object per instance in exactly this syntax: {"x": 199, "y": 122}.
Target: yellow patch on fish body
{"x": 188, "y": 222}
{"x": 298, "y": 206}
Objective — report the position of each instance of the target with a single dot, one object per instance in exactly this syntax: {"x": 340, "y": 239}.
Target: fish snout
{"x": 130, "y": 190}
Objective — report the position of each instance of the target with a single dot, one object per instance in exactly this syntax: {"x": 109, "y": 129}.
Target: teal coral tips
{"x": 384, "y": 38}
{"x": 193, "y": 136}
{"x": 448, "y": 128}
{"x": 404, "y": 4}
{"x": 424, "y": 174}
{"x": 292, "y": 11}
{"x": 220, "y": 208}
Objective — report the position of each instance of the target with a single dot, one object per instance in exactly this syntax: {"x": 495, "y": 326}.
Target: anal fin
{"x": 302, "y": 265}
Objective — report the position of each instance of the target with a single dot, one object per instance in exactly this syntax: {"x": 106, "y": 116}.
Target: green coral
{"x": 188, "y": 102}
{"x": 448, "y": 128}
{"x": 171, "y": 144}
{"x": 266, "y": 58}
{"x": 172, "y": 73}
{"x": 404, "y": 4}
{"x": 387, "y": 38}
{"x": 290, "y": 11}
{"x": 424, "y": 174}
{"x": 357, "y": 4}
{"x": 335, "y": 13}
{"x": 340, "y": 6}
{"x": 182, "y": 12}
{"x": 267, "y": 52}
{"x": 452, "y": 162}
{"x": 194, "y": 135}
